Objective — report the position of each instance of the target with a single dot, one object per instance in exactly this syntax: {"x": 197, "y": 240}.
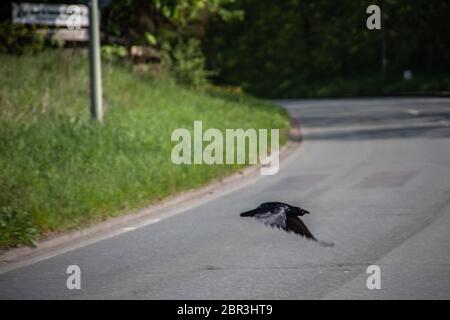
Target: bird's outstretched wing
{"x": 294, "y": 224}
{"x": 275, "y": 218}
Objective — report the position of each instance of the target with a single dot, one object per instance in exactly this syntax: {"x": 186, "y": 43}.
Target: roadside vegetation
{"x": 60, "y": 170}
{"x": 304, "y": 49}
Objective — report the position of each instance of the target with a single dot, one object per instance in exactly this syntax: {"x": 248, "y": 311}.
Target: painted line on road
{"x": 126, "y": 229}
{"x": 413, "y": 112}
{"x": 146, "y": 223}
{"x": 162, "y": 211}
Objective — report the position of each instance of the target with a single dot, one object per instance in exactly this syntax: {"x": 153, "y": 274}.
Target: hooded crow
{"x": 283, "y": 216}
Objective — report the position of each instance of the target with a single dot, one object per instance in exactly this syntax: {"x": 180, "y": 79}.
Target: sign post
{"x": 69, "y": 20}
{"x": 94, "y": 62}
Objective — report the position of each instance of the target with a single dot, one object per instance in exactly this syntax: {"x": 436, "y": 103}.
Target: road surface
{"x": 375, "y": 173}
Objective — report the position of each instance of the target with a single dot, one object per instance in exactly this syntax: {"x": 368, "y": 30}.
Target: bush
{"x": 113, "y": 52}
{"x": 16, "y": 224}
{"x": 16, "y": 227}
{"x": 19, "y": 39}
{"x": 185, "y": 62}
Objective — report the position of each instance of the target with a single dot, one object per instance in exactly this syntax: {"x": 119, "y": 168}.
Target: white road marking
{"x": 81, "y": 244}
{"x": 146, "y": 223}
{"x": 414, "y": 112}
{"x": 183, "y": 206}
{"x": 143, "y": 224}
{"x": 128, "y": 229}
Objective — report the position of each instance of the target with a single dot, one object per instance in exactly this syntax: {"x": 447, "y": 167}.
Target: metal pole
{"x": 94, "y": 62}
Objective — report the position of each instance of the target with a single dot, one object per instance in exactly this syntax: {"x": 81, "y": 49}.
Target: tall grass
{"x": 60, "y": 170}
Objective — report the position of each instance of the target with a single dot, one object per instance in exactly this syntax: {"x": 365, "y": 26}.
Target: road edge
{"x": 67, "y": 241}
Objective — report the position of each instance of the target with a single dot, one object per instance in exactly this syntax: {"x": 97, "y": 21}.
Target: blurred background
{"x": 288, "y": 48}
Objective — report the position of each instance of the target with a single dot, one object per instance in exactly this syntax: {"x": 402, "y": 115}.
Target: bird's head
{"x": 299, "y": 211}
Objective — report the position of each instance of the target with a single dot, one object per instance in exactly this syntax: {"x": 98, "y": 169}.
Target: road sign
{"x": 68, "y": 21}
{"x": 60, "y": 15}
{"x": 65, "y": 34}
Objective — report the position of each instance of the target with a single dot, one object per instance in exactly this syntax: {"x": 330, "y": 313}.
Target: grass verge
{"x": 59, "y": 170}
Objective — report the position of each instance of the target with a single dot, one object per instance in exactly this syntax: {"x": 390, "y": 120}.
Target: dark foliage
{"x": 316, "y": 48}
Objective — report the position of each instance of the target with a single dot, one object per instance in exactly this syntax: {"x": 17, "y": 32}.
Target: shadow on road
{"x": 429, "y": 131}
{"x": 378, "y": 119}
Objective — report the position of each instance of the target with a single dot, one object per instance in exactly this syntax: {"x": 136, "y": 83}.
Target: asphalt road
{"x": 375, "y": 174}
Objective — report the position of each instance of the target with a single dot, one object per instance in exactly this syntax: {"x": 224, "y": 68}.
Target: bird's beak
{"x": 251, "y": 213}
{"x": 303, "y": 211}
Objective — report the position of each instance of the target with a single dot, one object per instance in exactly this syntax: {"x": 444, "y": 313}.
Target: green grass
{"x": 59, "y": 170}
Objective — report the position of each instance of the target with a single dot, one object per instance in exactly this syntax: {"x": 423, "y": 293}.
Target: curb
{"x": 71, "y": 240}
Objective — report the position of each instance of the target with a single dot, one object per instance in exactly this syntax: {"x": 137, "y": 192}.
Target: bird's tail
{"x": 326, "y": 244}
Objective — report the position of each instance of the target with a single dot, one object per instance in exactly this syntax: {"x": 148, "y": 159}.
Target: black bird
{"x": 284, "y": 216}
